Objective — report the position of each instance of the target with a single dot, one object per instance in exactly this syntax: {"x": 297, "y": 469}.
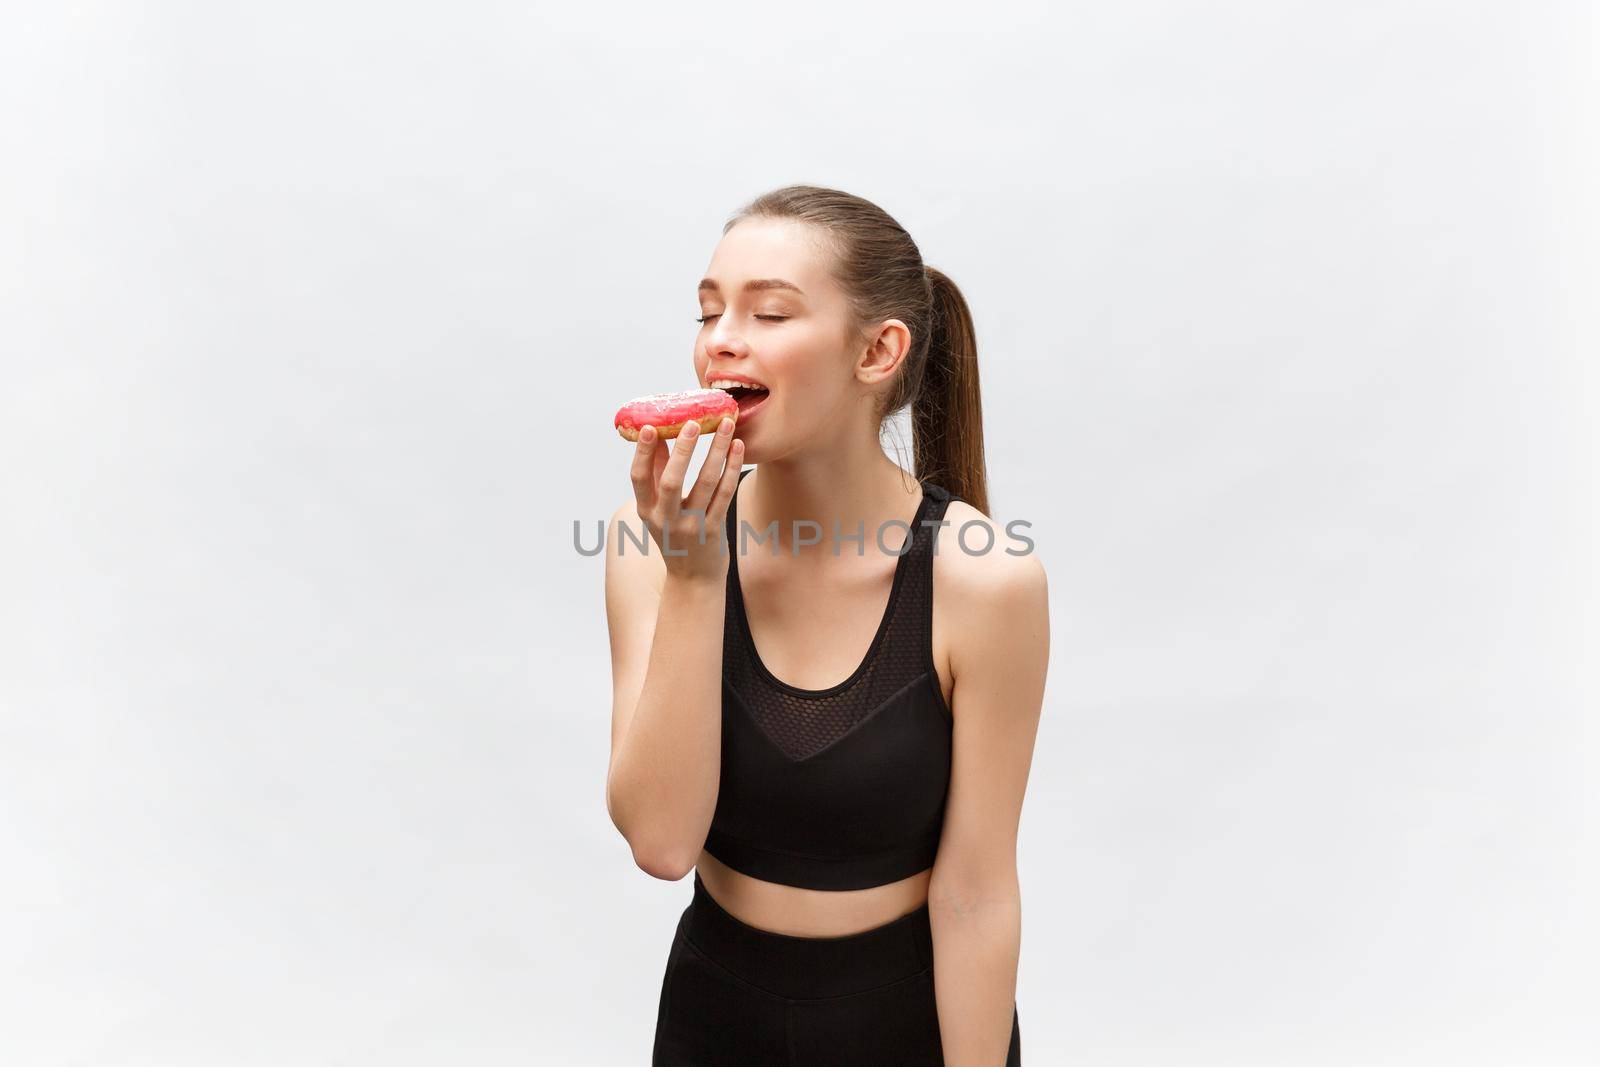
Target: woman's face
{"x": 792, "y": 338}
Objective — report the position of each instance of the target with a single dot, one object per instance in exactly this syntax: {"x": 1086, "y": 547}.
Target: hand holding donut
{"x": 688, "y": 529}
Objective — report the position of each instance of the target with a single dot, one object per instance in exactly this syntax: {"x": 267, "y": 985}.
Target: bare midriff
{"x": 787, "y": 909}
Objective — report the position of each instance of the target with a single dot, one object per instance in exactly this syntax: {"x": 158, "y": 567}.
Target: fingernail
{"x": 725, "y": 427}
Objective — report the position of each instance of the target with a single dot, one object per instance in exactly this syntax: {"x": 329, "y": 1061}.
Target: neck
{"x": 860, "y": 489}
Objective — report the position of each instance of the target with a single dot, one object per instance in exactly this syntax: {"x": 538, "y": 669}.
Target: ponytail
{"x": 947, "y": 412}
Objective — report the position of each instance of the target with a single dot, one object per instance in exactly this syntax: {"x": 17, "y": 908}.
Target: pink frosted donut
{"x": 670, "y": 412}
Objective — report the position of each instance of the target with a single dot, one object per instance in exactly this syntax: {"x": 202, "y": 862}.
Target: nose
{"x": 721, "y": 348}
{"x": 723, "y": 338}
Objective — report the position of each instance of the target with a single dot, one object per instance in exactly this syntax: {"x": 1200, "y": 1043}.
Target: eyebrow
{"x": 706, "y": 284}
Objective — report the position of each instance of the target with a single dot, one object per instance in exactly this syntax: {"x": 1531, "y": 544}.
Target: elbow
{"x": 664, "y": 861}
{"x": 663, "y": 865}
{"x": 967, "y": 896}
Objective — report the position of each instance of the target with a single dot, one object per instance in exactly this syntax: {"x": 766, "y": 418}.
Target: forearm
{"x": 663, "y": 787}
{"x": 976, "y": 944}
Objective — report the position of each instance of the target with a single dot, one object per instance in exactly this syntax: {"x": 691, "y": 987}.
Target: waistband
{"x": 804, "y": 968}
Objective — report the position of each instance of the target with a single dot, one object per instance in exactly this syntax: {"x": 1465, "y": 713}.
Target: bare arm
{"x": 999, "y": 655}
{"x": 665, "y": 617}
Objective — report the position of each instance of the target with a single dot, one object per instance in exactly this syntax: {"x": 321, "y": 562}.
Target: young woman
{"x": 838, "y": 754}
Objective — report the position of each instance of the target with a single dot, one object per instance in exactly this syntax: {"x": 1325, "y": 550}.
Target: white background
{"x": 314, "y": 320}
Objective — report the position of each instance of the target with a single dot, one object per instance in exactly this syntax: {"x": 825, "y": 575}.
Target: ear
{"x": 886, "y": 347}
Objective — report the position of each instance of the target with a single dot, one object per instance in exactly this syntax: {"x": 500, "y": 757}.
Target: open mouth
{"x": 747, "y": 396}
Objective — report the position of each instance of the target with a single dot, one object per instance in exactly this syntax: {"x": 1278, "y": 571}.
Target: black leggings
{"x": 740, "y": 996}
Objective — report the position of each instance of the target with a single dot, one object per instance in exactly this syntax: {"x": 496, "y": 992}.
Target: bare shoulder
{"x": 980, "y": 564}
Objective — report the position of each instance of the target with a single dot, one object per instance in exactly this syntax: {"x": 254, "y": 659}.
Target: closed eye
{"x": 770, "y": 318}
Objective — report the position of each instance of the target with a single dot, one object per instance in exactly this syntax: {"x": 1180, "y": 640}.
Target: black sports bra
{"x": 844, "y": 787}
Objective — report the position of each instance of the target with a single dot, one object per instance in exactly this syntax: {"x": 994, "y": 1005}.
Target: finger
{"x": 670, "y": 489}
{"x": 658, "y": 460}
{"x": 640, "y": 473}
{"x": 718, "y": 508}
{"x": 711, "y": 469}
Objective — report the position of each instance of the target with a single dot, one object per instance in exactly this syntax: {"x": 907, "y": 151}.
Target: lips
{"x": 747, "y": 393}
{"x": 748, "y": 401}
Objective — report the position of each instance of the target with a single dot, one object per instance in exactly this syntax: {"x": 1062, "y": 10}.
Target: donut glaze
{"x": 670, "y": 412}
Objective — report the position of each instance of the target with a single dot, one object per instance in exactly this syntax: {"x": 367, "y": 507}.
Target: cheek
{"x": 809, "y": 362}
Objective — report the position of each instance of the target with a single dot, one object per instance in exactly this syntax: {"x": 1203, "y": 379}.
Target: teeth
{"x": 728, "y": 383}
